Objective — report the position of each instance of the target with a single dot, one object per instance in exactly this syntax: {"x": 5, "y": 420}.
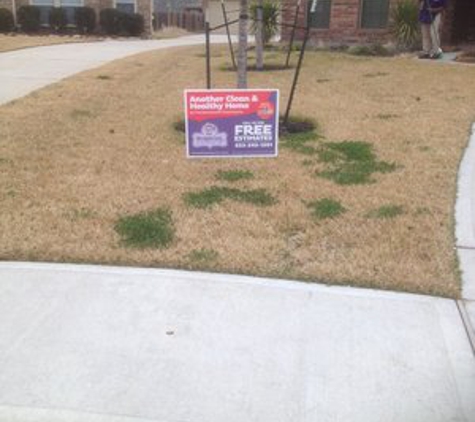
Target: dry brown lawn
{"x": 169, "y": 32}
{"x": 18, "y": 41}
{"x": 76, "y": 156}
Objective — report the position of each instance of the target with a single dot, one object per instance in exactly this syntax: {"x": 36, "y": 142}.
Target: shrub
{"x": 85, "y": 19}
{"x": 132, "y": 24}
{"x": 405, "y": 24}
{"x": 115, "y": 22}
{"x": 29, "y": 18}
{"x": 57, "y": 19}
{"x": 109, "y": 19}
{"x": 6, "y": 20}
{"x": 270, "y": 16}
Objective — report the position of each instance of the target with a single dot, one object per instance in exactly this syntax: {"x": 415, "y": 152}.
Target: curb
{"x": 464, "y": 219}
{"x": 464, "y": 208}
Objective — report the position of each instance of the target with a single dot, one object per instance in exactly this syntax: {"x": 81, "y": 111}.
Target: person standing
{"x": 430, "y": 15}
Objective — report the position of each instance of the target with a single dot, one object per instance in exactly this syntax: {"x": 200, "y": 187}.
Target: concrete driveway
{"x": 23, "y": 71}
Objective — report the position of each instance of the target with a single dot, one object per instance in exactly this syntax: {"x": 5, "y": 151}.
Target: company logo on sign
{"x": 265, "y": 110}
{"x": 210, "y": 137}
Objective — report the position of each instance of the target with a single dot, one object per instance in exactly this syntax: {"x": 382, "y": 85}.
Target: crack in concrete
{"x": 466, "y": 323}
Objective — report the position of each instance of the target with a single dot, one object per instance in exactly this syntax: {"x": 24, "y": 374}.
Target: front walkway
{"x": 105, "y": 344}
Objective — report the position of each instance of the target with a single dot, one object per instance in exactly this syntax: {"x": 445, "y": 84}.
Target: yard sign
{"x": 232, "y": 123}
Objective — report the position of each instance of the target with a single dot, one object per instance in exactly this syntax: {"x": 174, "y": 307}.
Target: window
{"x": 45, "y": 7}
{"x": 374, "y": 14}
{"x": 69, "y": 6}
{"x": 320, "y": 17}
{"x": 127, "y": 6}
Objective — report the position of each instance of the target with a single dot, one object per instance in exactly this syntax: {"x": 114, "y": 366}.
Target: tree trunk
{"x": 259, "y": 36}
{"x": 242, "y": 48}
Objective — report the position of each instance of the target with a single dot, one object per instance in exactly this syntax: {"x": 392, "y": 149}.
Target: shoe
{"x": 424, "y": 56}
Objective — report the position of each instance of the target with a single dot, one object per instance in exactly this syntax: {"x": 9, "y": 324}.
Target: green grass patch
{"x": 327, "y": 155}
{"x": 352, "y": 150}
{"x": 298, "y": 134}
{"x": 234, "y": 175}
{"x": 300, "y": 142}
{"x": 152, "y": 229}
{"x": 386, "y": 211}
{"x": 217, "y": 194}
{"x": 326, "y": 208}
{"x": 202, "y": 256}
{"x": 104, "y": 77}
{"x": 351, "y": 163}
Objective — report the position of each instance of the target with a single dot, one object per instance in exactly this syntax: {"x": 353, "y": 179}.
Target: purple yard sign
{"x": 232, "y": 123}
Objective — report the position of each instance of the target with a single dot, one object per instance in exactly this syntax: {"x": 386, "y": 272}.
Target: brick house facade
{"x": 367, "y": 21}
{"x": 144, "y": 7}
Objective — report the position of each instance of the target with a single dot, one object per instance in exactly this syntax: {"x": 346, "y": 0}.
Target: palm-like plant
{"x": 270, "y": 19}
{"x": 405, "y": 23}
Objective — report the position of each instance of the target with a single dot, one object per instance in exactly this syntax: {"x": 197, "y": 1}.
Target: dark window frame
{"x": 323, "y": 14}
{"x": 128, "y": 7}
{"x": 376, "y": 19}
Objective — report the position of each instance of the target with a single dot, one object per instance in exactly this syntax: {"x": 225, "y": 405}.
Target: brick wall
{"x": 344, "y": 27}
{"x": 447, "y": 23}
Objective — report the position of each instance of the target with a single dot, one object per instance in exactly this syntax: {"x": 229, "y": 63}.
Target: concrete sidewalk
{"x": 104, "y": 344}
{"x": 465, "y": 229}
{"x": 24, "y": 71}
